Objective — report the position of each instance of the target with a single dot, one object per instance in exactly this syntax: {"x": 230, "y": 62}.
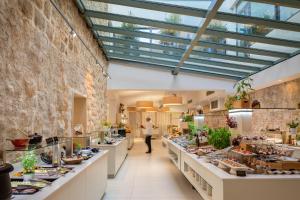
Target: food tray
{"x": 72, "y": 161}
{"x": 233, "y": 169}
{"x": 24, "y": 190}
{"x": 242, "y": 153}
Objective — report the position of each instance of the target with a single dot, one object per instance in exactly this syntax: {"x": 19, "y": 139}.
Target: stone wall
{"x": 285, "y": 95}
{"x": 42, "y": 67}
{"x": 216, "y": 119}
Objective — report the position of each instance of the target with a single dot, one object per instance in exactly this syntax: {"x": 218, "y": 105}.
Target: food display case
{"x": 46, "y": 171}
{"x": 221, "y": 175}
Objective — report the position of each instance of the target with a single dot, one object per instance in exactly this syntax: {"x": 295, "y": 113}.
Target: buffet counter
{"x": 130, "y": 140}
{"x": 116, "y": 155}
{"x": 213, "y": 183}
{"x": 86, "y": 181}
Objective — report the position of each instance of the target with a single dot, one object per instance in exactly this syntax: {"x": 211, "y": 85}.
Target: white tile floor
{"x": 149, "y": 177}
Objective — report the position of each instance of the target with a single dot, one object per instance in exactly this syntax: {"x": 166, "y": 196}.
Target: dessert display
{"x": 205, "y": 150}
{"x": 234, "y": 167}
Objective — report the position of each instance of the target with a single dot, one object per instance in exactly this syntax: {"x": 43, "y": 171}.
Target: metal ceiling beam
{"x": 170, "y": 65}
{"x": 196, "y": 12}
{"x": 287, "y": 3}
{"x": 212, "y": 45}
{"x": 162, "y": 67}
{"x": 191, "y": 29}
{"x": 223, "y": 67}
{"x": 252, "y": 38}
{"x": 178, "y": 40}
{"x": 212, "y": 11}
{"x": 198, "y": 67}
{"x": 178, "y": 52}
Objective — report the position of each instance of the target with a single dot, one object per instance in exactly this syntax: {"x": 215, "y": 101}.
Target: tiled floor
{"x": 149, "y": 177}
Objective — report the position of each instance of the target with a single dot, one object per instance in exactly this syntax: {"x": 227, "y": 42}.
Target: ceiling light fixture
{"x": 153, "y": 109}
{"x": 73, "y": 33}
{"x": 172, "y": 100}
{"x": 144, "y": 104}
{"x": 131, "y": 109}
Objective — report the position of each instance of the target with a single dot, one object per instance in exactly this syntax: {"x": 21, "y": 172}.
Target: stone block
{"x": 26, "y": 8}
{"x": 47, "y": 9}
{"x": 39, "y": 20}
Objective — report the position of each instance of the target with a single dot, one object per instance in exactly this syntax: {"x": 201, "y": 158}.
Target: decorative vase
{"x": 293, "y": 131}
{"x": 243, "y": 103}
{"x": 27, "y": 177}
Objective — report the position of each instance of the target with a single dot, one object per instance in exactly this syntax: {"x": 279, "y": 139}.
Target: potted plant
{"x": 29, "y": 162}
{"x": 192, "y": 130}
{"x": 241, "y": 99}
{"x": 185, "y": 121}
{"x": 106, "y": 125}
{"x": 293, "y": 126}
{"x": 219, "y": 138}
{"x": 229, "y": 102}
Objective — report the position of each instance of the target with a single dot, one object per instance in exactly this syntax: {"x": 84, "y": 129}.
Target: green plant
{"x": 294, "y": 123}
{"x": 219, "y": 138}
{"x": 29, "y": 161}
{"x": 243, "y": 88}
{"x": 229, "y": 102}
{"x": 192, "y": 128}
{"x": 188, "y": 118}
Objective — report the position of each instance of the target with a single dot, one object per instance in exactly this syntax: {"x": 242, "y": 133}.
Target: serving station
{"x": 85, "y": 181}
{"x": 117, "y": 152}
{"x": 214, "y": 183}
{"x": 54, "y": 168}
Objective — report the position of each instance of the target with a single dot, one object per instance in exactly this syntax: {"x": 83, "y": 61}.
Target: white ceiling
{"x": 129, "y": 97}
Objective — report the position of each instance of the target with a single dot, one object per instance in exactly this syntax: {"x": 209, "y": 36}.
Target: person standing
{"x": 148, "y": 133}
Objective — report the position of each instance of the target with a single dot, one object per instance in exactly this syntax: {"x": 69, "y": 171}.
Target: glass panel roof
{"x": 250, "y": 36}
{"x": 261, "y": 10}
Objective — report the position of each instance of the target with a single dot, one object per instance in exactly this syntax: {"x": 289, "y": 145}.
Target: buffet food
{"x": 72, "y": 160}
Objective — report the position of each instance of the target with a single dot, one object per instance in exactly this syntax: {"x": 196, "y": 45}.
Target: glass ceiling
{"x": 242, "y": 38}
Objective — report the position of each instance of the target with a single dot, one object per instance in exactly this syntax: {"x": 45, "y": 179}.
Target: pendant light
{"x": 172, "y": 100}
{"x": 131, "y": 109}
{"x": 144, "y": 104}
{"x": 153, "y": 109}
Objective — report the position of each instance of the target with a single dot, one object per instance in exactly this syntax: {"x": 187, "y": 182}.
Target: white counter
{"x": 130, "y": 140}
{"x": 213, "y": 183}
{"x": 86, "y": 181}
{"x": 116, "y": 156}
